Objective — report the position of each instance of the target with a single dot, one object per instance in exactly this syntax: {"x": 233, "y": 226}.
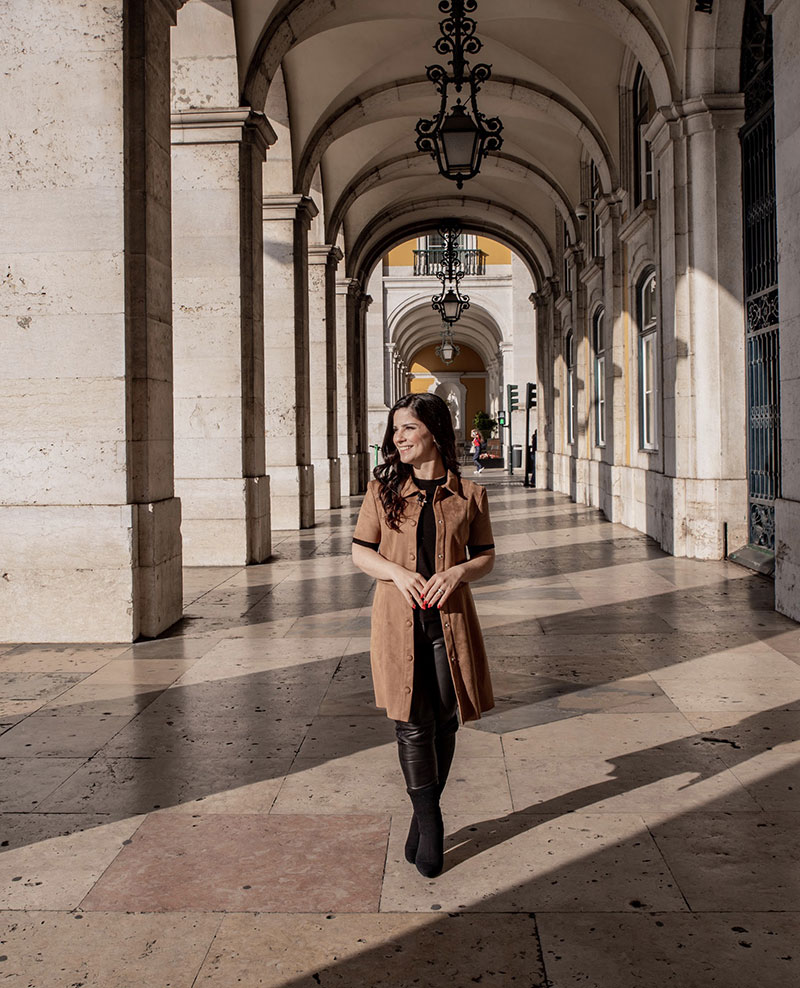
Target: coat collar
{"x": 452, "y": 484}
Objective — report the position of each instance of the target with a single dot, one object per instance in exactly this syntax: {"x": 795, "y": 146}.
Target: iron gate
{"x": 762, "y": 338}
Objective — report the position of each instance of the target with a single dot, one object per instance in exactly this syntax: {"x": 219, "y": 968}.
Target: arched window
{"x": 647, "y": 318}
{"x": 569, "y": 356}
{"x": 643, "y": 108}
{"x": 567, "y": 272}
{"x": 599, "y": 350}
{"x": 595, "y": 192}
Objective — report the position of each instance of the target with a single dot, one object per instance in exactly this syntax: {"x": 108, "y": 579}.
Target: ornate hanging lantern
{"x": 459, "y": 136}
{"x": 450, "y": 303}
{"x": 447, "y": 351}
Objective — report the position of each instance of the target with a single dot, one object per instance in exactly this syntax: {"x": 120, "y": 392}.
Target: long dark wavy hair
{"x": 392, "y": 474}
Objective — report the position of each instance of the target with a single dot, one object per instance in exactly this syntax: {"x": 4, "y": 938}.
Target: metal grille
{"x": 762, "y": 339}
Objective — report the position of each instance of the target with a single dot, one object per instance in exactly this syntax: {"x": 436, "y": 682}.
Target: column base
{"x": 226, "y": 521}
{"x": 327, "y": 483}
{"x": 292, "y": 497}
{"x": 90, "y": 573}
{"x": 787, "y": 558}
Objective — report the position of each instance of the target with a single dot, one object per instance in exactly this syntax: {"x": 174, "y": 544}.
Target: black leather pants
{"x": 426, "y": 741}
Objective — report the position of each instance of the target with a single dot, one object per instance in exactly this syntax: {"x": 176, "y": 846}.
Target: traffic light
{"x": 530, "y": 398}
{"x": 501, "y": 419}
{"x": 513, "y": 397}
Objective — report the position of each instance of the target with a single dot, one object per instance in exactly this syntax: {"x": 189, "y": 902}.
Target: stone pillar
{"x": 89, "y": 525}
{"x": 217, "y": 161}
{"x": 344, "y": 388}
{"x": 323, "y": 261}
{"x": 362, "y": 422}
{"x": 286, "y": 359}
{"x": 377, "y": 361}
{"x": 785, "y": 31}
{"x": 616, "y": 330}
{"x": 543, "y": 301}
{"x": 703, "y": 491}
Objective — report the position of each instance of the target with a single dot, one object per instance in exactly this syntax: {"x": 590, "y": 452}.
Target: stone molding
{"x": 323, "y": 253}
{"x": 592, "y": 271}
{"x": 171, "y": 8}
{"x": 222, "y": 126}
{"x": 712, "y": 111}
{"x": 642, "y": 216}
{"x": 347, "y": 286}
{"x": 289, "y": 207}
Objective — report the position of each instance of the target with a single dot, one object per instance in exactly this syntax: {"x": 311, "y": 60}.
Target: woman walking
{"x": 424, "y": 533}
{"x": 478, "y": 449}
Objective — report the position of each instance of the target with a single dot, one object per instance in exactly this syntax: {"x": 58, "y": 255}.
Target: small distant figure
{"x": 478, "y": 450}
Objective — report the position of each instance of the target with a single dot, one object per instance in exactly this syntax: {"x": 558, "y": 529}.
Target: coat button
{"x": 440, "y": 555}
{"x": 446, "y": 625}
{"x": 410, "y": 658}
{"x": 440, "y": 521}
{"x": 408, "y": 689}
{"x": 408, "y": 624}
{"x": 411, "y": 555}
{"x": 413, "y": 524}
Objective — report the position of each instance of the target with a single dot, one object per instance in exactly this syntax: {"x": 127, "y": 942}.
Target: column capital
{"x": 347, "y": 286}
{"x": 323, "y": 253}
{"x": 711, "y": 111}
{"x": 540, "y": 300}
{"x": 289, "y": 207}
{"x": 171, "y": 7}
{"x": 222, "y": 125}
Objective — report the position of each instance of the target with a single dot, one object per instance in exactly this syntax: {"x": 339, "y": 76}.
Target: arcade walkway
{"x": 222, "y": 807}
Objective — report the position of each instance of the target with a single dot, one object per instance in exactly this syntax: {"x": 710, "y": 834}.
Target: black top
{"x": 429, "y": 618}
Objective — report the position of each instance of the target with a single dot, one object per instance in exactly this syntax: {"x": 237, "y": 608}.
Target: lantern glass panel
{"x": 459, "y": 137}
{"x": 451, "y": 306}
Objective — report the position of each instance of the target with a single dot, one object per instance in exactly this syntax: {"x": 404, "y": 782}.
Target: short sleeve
{"x": 480, "y": 529}
{"x": 368, "y": 526}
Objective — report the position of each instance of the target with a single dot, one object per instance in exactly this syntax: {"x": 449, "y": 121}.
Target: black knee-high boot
{"x": 429, "y": 858}
{"x": 445, "y": 749}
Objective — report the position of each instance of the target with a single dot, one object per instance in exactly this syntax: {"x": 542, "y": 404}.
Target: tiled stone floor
{"x": 223, "y": 807}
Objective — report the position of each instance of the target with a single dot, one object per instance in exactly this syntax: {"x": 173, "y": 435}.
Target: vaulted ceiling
{"x": 346, "y": 79}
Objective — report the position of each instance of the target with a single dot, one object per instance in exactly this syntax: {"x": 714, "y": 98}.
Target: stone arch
{"x": 405, "y": 164}
{"x": 295, "y": 20}
{"x": 476, "y": 216}
{"x": 373, "y": 104}
{"x": 713, "y": 50}
{"x": 416, "y": 311}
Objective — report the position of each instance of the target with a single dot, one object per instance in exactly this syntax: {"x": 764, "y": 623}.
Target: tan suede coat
{"x": 462, "y": 520}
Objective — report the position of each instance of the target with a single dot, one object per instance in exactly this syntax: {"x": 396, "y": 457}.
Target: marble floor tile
{"x": 530, "y": 863}
{"x": 60, "y": 949}
{"x": 374, "y": 951}
{"x": 51, "y": 860}
{"x": 248, "y": 863}
{"x": 724, "y": 862}
{"x": 26, "y": 782}
{"x": 70, "y": 732}
{"x": 738, "y": 735}
{"x": 773, "y": 780}
{"x": 222, "y": 778}
{"x": 369, "y": 779}
{"x": 59, "y": 658}
{"x": 670, "y": 950}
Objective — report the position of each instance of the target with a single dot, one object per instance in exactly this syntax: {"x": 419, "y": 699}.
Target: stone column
{"x": 323, "y": 261}
{"x": 543, "y": 301}
{"x": 89, "y": 525}
{"x": 696, "y": 151}
{"x": 286, "y": 359}
{"x": 362, "y": 422}
{"x": 217, "y": 160}
{"x": 377, "y": 360}
{"x": 785, "y": 31}
{"x": 344, "y": 388}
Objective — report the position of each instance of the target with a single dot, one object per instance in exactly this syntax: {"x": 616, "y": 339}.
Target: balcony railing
{"x": 427, "y": 262}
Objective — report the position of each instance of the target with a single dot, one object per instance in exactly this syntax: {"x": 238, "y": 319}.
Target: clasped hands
{"x": 423, "y": 593}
